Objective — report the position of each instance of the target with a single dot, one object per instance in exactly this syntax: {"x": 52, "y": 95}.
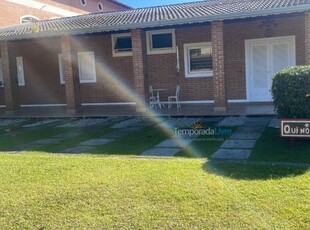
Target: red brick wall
{"x": 139, "y": 64}
{"x": 42, "y": 73}
{"x": 9, "y": 70}
{"x": 162, "y": 68}
{"x": 42, "y": 79}
{"x": 91, "y": 6}
{"x": 42, "y": 82}
{"x": 218, "y": 58}
{"x": 108, "y": 69}
{"x": 235, "y": 34}
{"x": 11, "y": 13}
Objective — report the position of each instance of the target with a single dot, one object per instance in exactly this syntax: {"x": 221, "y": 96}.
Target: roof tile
{"x": 154, "y": 16}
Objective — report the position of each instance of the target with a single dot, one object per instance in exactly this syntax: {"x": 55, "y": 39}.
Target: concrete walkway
{"x": 240, "y": 144}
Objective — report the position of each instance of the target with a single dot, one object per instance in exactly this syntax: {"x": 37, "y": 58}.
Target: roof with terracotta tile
{"x": 178, "y": 14}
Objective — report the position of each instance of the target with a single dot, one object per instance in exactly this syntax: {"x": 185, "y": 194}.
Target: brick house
{"x": 227, "y": 52}
{"x": 21, "y": 11}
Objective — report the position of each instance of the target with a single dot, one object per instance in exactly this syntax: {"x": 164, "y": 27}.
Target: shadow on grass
{"x": 249, "y": 171}
{"x": 272, "y": 147}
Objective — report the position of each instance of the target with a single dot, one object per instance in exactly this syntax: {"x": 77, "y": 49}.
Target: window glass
{"x": 200, "y": 59}
{"x": 123, "y": 44}
{"x": 160, "y": 41}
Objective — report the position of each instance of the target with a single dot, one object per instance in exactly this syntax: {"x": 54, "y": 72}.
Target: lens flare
{"x": 123, "y": 88}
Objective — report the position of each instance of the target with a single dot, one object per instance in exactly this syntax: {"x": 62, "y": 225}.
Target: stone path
{"x": 8, "y": 122}
{"x": 166, "y": 148}
{"x": 40, "y": 123}
{"x": 107, "y": 138}
{"x": 87, "y": 145}
{"x": 46, "y": 141}
{"x": 171, "y": 146}
{"x": 239, "y": 145}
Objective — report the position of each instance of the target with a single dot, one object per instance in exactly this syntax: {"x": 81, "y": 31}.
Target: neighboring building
{"x": 227, "y": 51}
{"x": 22, "y": 11}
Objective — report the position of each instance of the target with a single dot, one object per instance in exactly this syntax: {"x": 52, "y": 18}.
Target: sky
{"x": 147, "y": 3}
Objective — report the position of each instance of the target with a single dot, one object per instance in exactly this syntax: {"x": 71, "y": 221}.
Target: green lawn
{"x": 44, "y": 191}
{"x": 272, "y": 147}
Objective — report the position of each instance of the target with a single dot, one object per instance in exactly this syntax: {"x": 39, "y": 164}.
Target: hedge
{"x": 290, "y": 90}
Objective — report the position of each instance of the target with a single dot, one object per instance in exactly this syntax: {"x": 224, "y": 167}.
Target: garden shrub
{"x": 290, "y": 90}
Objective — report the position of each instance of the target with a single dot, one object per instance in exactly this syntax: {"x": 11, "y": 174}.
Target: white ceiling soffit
{"x": 44, "y": 7}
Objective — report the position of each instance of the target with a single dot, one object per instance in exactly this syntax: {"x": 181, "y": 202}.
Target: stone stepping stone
{"x": 245, "y": 136}
{"x": 161, "y": 152}
{"x": 39, "y": 123}
{"x": 238, "y": 144}
{"x": 85, "y": 122}
{"x": 7, "y": 122}
{"x": 145, "y": 124}
{"x": 232, "y": 121}
{"x": 68, "y": 135}
{"x": 26, "y": 147}
{"x": 236, "y": 154}
{"x": 250, "y": 129}
{"x": 181, "y": 122}
{"x": 257, "y": 121}
{"x": 127, "y": 123}
{"x": 96, "y": 142}
{"x": 174, "y": 143}
{"x": 77, "y": 149}
{"x": 211, "y": 120}
{"x": 48, "y": 141}
{"x": 120, "y": 133}
{"x": 274, "y": 123}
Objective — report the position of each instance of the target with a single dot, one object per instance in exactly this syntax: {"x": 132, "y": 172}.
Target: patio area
{"x": 233, "y": 109}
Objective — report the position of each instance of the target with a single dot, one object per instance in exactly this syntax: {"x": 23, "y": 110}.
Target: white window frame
{"x": 61, "y": 69}
{"x": 187, "y": 48}
{"x": 27, "y": 16}
{"x": 1, "y": 74}
{"x": 93, "y": 66}
{"x": 149, "y": 42}
{"x": 119, "y": 54}
{"x": 19, "y": 69}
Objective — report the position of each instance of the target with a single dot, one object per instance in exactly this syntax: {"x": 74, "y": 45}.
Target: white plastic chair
{"x": 153, "y": 99}
{"x": 176, "y": 98}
